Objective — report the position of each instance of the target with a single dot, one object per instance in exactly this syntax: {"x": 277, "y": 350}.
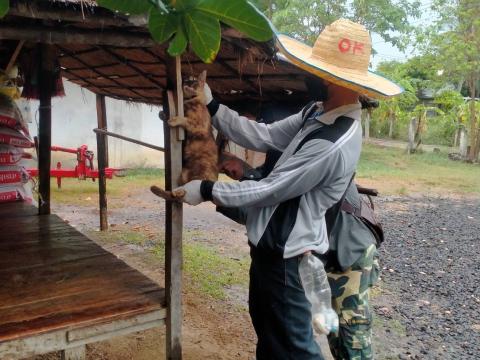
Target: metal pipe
{"x": 108, "y": 133}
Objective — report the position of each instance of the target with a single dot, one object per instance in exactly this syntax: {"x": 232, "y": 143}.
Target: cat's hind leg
{"x": 184, "y": 177}
{"x": 178, "y": 121}
{"x": 175, "y": 195}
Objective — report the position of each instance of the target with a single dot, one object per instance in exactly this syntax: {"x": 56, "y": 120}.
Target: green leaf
{"x": 4, "y": 7}
{"x": 179, "y": 42}
{"x": 182, "y": 5}
{"x": 241, "y": 15}
{"x": 162, "y": 26}
{"x": 133, "y": 7}
{"x": 160, "y": 5}
{"x": 203, "y": 33}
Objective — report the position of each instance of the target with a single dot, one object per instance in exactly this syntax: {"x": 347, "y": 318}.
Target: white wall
{"x": 74, "y": 117}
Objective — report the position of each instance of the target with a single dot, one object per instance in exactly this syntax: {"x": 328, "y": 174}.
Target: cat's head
{"x": 194, "y": 88}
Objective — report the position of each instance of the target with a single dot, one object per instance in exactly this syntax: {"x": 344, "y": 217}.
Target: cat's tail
{"x": 176, "y": 195}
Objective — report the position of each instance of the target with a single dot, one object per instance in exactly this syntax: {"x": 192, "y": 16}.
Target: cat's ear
{"x": 202, "y": 78}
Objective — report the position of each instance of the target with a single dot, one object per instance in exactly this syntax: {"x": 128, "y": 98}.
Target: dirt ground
{"x": 409, "y": 315}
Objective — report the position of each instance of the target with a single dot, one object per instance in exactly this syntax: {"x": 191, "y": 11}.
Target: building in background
{"x": 74, "y": 117}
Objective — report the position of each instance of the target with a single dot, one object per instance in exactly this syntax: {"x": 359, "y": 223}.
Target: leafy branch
{"x": 190, "y": 21}
{"x": 4, "y": 7}
{"x": 195, "y": 21}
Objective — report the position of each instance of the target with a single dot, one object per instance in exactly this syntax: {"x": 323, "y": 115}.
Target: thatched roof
{"x": 133, "y": 69}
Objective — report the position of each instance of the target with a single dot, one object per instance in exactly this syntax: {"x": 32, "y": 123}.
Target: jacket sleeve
{"x": 317, "y": 162}
{"x": 253, "y": 135}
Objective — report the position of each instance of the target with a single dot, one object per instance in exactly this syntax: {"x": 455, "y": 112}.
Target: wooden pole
{"x": 96, "y": 15}
{"x": 46, "y": 82}
{"x": 129, "y": 139}
{"x": 173, "y": 213}
{"x": 59, "y": 35}
{"x": 102, "y": 151}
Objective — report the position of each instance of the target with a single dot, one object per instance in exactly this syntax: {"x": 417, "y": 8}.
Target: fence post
{"x": 367, "y": 124}
{"x": 411, "y": 135}
{"x": 463, "y": 143}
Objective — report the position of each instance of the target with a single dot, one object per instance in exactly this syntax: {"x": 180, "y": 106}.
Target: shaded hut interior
{"x": 56, "y": 283}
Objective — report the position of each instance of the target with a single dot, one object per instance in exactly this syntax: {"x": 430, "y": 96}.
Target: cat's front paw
{"x": 177, "y": 121}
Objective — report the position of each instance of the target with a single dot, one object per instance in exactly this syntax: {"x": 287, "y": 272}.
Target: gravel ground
{"x": 427, "y": 304}
{"x": 431, "y": 262}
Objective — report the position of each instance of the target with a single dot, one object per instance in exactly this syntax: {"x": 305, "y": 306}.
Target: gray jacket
{"x": 285, "y": 210}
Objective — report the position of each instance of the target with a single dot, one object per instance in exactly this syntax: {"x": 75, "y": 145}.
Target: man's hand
{"x": 208, "y": 94}
{"x": 192, "y": 192}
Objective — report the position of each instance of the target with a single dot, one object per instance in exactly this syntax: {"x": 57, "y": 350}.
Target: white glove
{"x": 208, "y": 94}
{"x": 192, "y": 192}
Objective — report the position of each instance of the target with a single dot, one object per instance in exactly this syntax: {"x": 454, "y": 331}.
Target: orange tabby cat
{"x": 200, "y": 154}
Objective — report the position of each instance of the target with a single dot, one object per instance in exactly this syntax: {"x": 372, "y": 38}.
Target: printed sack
{"x": 12, "y": 137}
{"x": 10, "y": 155}
{"x": 10, "y": 115}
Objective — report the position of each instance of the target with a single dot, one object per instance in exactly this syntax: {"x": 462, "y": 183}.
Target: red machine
{"x": 84, "y": 169}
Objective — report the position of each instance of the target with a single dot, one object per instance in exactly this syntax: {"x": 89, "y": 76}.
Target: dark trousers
{"x": 279, "y": 309}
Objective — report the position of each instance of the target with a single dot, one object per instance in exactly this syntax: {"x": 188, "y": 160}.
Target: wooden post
{"x": 102, "y": 153}
{"x": 173, "y": 101}
{"x": 46, "y": 82}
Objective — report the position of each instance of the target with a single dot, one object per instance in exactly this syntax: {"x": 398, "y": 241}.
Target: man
{"x": 351, "y": 262}
{"x": 286, "y": 210}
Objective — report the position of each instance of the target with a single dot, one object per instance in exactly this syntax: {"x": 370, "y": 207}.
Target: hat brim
{"x": 368, "y": 83}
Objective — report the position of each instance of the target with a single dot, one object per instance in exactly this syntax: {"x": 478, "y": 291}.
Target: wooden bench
{"x": 59, "y": 290}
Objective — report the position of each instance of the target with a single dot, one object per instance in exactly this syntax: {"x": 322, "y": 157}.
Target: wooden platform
{"x": 60, "y": 290}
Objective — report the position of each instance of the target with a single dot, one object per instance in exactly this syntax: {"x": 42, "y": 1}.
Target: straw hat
{"x": 340, "y": 55}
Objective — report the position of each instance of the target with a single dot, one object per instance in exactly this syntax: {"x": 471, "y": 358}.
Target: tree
{"x": 305, "y": 19}
{"x": 452, "y": 105}
{"x": 398, "y": 106}
{"x": 454, "y": 41}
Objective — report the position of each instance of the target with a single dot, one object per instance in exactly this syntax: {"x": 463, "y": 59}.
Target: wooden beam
{"x": 14, "y": 57}
{"x": 126, "y": 138}
{"x": 72, "y": 55}
{"x": 46, "y": 76}
{"x": 132, "y": 66}
{"x": 59, "y": 35}
{"x": 102, "y": 153}
{"x": 233, "y": 71}
{"x": 174, "y": 215}
{"x": 33, "y": 10}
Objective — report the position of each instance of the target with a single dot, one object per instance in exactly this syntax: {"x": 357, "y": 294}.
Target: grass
{"x": 392, "y": 171}
{"x": 84, "y": 192}
{"x": 208, "y": 271}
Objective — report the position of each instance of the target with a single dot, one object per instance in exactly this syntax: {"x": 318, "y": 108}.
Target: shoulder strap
{"x": 308, "y": 109}
{"x": 328, "y": 132}
{"x": 332, "y": 213}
